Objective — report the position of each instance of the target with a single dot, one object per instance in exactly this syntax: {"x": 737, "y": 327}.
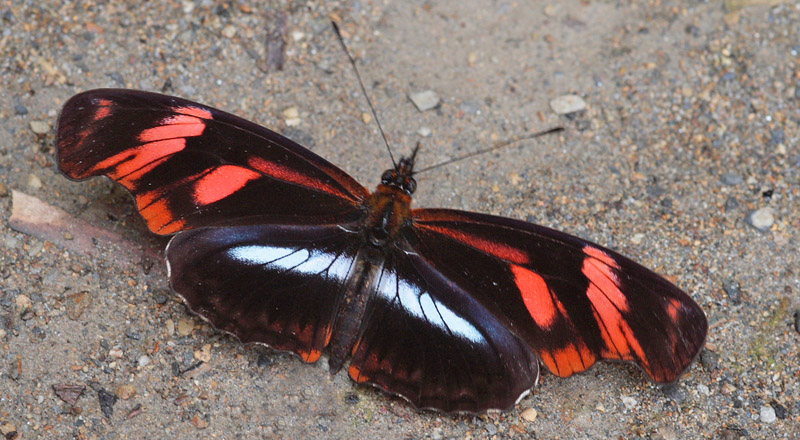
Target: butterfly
{"x": 453, "y": 311}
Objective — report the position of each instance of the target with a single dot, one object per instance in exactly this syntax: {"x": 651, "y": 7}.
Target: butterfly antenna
{"x": 496, "y": 146}
{"x": 363, "y": 89}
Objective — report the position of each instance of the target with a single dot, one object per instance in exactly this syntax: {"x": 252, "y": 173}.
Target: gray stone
{"x": 761, "y": 219}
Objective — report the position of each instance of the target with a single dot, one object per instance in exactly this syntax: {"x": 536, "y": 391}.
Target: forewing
{"x": 272, "y": 284}
{"x": 426, "y": 339}
{"x": 190, "y": 165}
{"x": 571, "y": 301}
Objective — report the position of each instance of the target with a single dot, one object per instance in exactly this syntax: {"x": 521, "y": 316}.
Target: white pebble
{"x": 761, "y": 219}
{"x": 40, "y": 127}
{"x": 629, "y": 402}
{"x": 566, "y": 104}
{"x": 767, "y": 414}
{"x": 424, "y": 100}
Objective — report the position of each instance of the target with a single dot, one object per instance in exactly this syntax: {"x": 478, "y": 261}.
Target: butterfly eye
{"x": 387, "y": 177}
{"x": 410, "y": 185}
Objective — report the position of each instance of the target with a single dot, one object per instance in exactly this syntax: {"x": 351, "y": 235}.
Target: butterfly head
{"x": 402, "y": 175}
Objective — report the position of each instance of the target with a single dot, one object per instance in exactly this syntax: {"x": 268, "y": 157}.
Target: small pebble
{"x": 198, "y": 422}
{"x": 143, "y": 360}
{"x": 637, "y": 238}
{"x": 185, "y": 326}
{"x": 125, "y": 392}
{"x": 702, "y": 389}
{"x": 40, "y": 127}
{"x": 291, "y": 116}
{"x": 731, "y": 203}
{"x": 424, "y": 131}
{"x": 351, "y": 398}
{"x": 229, "y": 31}
{"x": 263, "y": 361}
{"x": 20, "y": 109}
{"x": 34, "y": 181}
{"x": 116, "y": 352}
{"x": 733, "y": 289}
{"x": 204, "y": 354}
{"x": 629, "y": 402}
{"x": 710, "y": 360}
{"x": 470, "y": 107}
{"x": 424, "y": 100}
{"x": 566, "y": 104}
{"x": 767, "y": 414}
{"x": 491, "y": 429}
{"x": 69, "y": 393}
{"x": 728, "y": 389}
{"x": 761, "y": 219}
{"x": 3, "y": 190}
{"x": 732, "y": 179}
{"x": 551, "y": 10}
{"x": 7, "y": 428}
{"x": 780, "y": 411}
{"x": 78, "y": 303}
{"x": 23, "y": 302}
{"x": 107, "y": 401}
{"x": 529, "y": 415}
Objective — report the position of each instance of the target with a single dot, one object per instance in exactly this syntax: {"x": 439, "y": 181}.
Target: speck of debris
{"x": 797, "y": 321}
{"x": 733, "y": 289}
{"x": 780, "y": 411}
{"x": 263, "y": 361}
{"x": 732, "y": 179}
{"x": 709, "y": 360}
{"x": 199, "y": 422}
{"x": 107, "y": 401}
{"x": 351, "y": 398}
{"x": 69, "y": 393}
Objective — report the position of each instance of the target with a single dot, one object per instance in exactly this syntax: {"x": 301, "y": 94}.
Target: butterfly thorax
{"x": 389, "y": 207}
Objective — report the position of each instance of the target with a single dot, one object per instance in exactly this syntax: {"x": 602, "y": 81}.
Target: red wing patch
{"x": 543, "y": 306}
{"x": 549, "y": 313}
{"x": 287, "y": 174}
{"x": 122, "y": 165}
{"x": 499, "y": 250}
{"x": 222, "y": 182}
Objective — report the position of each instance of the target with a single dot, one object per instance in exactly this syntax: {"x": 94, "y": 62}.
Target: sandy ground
{"x": 691, "y": 125}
